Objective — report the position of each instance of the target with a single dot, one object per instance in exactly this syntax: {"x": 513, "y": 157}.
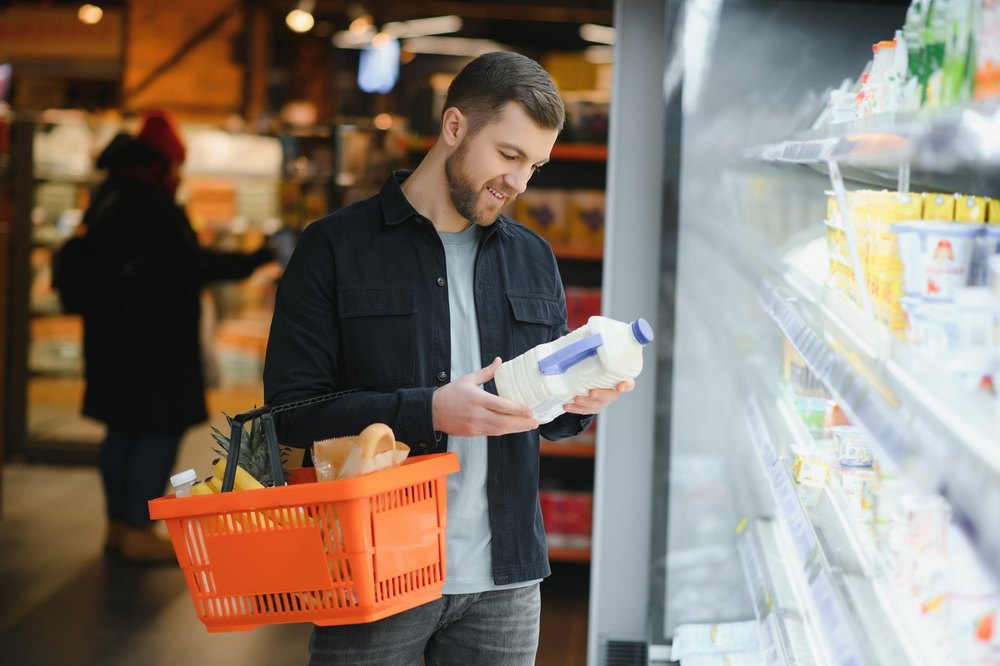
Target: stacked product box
{"x": 568, "y": 517}
{"x": 582, "y": 303}
{"x": 573, "y": 218}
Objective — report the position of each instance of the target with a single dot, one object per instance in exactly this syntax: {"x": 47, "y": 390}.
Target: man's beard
{"x": 464, "y": 194}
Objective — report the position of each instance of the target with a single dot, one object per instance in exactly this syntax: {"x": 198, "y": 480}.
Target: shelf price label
{"x": 761, "y": 597}
{"x": 753, "y": 573}
{"x": 759, "y": 434}
{"x": 836, "y": 631}
{"x": 792, "y": 514}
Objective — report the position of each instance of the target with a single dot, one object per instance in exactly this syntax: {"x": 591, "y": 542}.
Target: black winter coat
{"x": 141, "y": 320}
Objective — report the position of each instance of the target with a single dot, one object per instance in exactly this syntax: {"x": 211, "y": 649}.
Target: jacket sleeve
{"x": 302, "y": 360}
{"x": 168, "y": 249}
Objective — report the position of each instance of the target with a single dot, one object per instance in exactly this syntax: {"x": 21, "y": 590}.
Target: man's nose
{"x": 517, "y": 180}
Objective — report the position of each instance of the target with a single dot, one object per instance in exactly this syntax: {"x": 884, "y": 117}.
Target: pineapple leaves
{"x": 253, "y": 456}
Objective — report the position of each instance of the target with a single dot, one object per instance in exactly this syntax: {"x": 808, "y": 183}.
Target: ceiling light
{"x": 454, "y": 46}
{"x": 435, "y": 25}
{"x": 600, "y": 34}
{"x": 362, "y": 25}
{"x": 90, "y": 14}
{"x": 301, "y": 19}
{"x": 345, "y": 39}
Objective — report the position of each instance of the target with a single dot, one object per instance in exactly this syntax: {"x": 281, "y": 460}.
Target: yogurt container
{"x": 936, "y": 256}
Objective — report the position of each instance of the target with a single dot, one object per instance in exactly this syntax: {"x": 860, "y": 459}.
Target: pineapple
{"x": 253, "y": 451}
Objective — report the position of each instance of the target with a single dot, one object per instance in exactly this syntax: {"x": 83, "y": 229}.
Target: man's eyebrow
{"x": 516, "y": 149}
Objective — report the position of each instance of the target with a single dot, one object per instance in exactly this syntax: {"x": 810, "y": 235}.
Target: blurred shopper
{"x": 141, "y": 326}
{"x": 406, "y": 296}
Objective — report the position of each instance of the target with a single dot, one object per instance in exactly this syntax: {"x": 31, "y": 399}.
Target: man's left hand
{"x": 598, "y": 399}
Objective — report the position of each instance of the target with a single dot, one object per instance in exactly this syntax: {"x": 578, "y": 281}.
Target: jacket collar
{"x": 396, "y": 209}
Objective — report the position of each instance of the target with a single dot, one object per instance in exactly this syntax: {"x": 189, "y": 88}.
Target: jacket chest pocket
{"x": 378, "y": 336}
{"x": 536, "y": 319}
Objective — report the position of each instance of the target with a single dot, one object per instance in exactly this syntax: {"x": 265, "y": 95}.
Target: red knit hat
{"x": 158, "y": 130}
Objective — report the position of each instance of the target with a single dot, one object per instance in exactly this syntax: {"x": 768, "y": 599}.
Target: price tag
{"x": 836, "y": 631}
{"x": 792, "y": 513}
{"x": 753, "y": 573}
{"x": 758, "y": 433}
{"x": 761, "y": 600}
{"x": 769, "y": 642}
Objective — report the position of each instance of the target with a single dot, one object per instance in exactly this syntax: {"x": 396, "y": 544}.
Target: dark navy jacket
{"x": 363, "y": 305}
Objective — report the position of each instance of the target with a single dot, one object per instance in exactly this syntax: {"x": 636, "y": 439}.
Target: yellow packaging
{"x": 993, "y": 211}
{"x": 585, "y": 210}
{"x": 907, "y": 207}
{"x": 970, "y": 208}
{"x": 939, "y": 206}
{"x": 544, "y": 211}
{"x": 832, "y": 209}
{"x": 810, "y": 471}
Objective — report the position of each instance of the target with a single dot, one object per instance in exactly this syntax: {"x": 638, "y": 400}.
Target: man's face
{"x": 488, "y": 169}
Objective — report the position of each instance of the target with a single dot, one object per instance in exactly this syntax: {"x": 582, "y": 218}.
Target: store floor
{"x": 62, "y": 602}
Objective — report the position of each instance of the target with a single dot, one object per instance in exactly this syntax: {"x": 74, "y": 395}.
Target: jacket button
{"x": 423, "y": 445}
{"x": 442, "y": 376}
{"x": 440, "y": 282}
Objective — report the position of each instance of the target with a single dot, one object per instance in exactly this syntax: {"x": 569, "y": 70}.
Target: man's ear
{"x": 454, "y": 126}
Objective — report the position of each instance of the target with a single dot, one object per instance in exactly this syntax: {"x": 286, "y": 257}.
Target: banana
{"x": 202, "y": 488}
{"x": 244, "y": 481}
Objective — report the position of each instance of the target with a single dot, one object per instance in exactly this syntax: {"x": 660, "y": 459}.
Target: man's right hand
{"x": 464, "y": 409}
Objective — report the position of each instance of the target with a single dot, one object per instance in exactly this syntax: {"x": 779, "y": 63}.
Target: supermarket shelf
{"x": 785, "y": 636}
{"x": 580, "y": 253}
{"x": 567, "y": 449}
{"x": 839, "y": 631}
{"x": 940, "y": 140}
{"x": 580, "y": 152}
{"x": 569, "y": 554}
{"x": 886, "y": 627}
{"x": 941, "y": 434}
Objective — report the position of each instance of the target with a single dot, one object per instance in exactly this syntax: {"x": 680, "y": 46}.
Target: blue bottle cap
{"x": 642, "y": 331}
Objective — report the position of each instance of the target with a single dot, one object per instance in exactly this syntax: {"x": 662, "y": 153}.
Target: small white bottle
{"x": 600, "y": 354}
{"x": 183, "y": 482}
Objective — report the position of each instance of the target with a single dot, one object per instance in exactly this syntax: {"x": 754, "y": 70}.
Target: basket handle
{"x": 266, "y": 415}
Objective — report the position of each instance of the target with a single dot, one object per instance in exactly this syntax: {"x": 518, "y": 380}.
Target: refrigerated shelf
{"x": 785, "y": 633}
{"x": 943, "y": 435}
{"x": 937, "y": 140}
{"x": 852, "y": 632}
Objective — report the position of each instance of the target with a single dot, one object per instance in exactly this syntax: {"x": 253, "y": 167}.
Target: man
{"x": 406, "y": 296}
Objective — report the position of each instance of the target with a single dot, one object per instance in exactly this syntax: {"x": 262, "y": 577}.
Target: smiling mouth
{"x": 499, "y": 196}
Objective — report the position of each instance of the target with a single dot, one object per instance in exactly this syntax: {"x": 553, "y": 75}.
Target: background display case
{"x": 231, "y": 191}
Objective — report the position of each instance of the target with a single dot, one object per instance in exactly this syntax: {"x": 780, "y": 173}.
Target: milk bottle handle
{"x": 559, "y": 362}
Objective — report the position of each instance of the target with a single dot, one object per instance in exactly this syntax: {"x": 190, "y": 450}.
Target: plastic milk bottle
{"x": 599, "y": 354}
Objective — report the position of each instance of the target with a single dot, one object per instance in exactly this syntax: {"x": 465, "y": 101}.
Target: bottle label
{"x": 547, "y": 409}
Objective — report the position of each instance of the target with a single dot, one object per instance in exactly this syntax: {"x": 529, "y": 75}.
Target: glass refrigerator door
{"x": 833, "y": 472}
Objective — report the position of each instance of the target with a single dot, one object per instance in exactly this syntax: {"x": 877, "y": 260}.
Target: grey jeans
{"x": 496, "y": 628}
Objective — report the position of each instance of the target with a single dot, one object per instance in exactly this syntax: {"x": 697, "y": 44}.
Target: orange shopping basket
{"x": 334, "y": 552}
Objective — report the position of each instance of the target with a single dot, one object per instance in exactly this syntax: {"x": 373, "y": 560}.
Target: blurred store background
{"x": 289, "y": 110}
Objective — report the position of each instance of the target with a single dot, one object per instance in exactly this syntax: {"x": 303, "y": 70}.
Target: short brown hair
{"x": 485, "y": 85}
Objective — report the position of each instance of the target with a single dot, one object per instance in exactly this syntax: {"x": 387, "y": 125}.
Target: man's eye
{"x": 509, "y": 158}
